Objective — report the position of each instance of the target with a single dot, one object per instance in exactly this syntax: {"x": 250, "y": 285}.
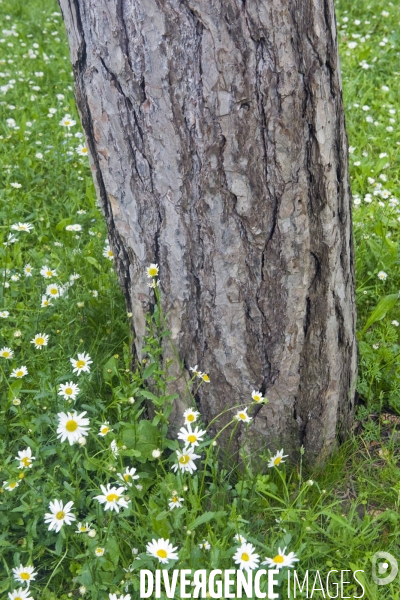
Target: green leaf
{"x": 93, "y": 261}
{"x": 149, "y": 370}
{"x": 386, "y": 304}
{"x": 110, "y": 369}
{"x": 206, "y": 517}
{"x": 338, "y": 519}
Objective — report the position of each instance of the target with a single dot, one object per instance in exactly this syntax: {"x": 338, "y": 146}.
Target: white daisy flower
{"x": 72, "y": 426}
{"x": 10, "y": 485}
{"x": 16, "y": 185}
{"x": 280, "y": 560}
{"x": 162, "y": 550}
{"x": 40, "y": 340}
{"x": 99, "y": 551}
{"x": 121, "y": 597}
{"x": 22, "y": 227}
{"x": 239, "y": 538}
{"x": 25, "y": 459}
{"x": 11, "y": 239}
{"x": 186, "y": 460}
{"x": 104, "y": 429}
{"x": 257, "y": 396}
{"x": 46, "y": 272}
{"x": 195, "y": 371}
{"x": 19, "y": 372}
{"x": 190, "y": 415}
{"x": 45, "y": 301}
{"x": 191, "y": 437}
{"x": 152, "y": 270}
{"x": 242, "y": 415}
{"x": 108, "y": 253}
{"x": 382, "y": 275}
{"x": 276, "y": 460}
{"x": 129, "y": 476}
{"x": 6, "y": 352}
{"x": 205, "y": 545}
{"x": 4, "y": 314}
{"x": 246, "y": 557}
{"x": 395, "y": 323}
{"x": 205, "y": 377}
{"x": 59, "y": 514}
{"x": 81, "y": 363}
{"x": 15, "y": 277}
{"x": 28, "y": 270}
{"x": 66, "y": 121}
{"x": 20, "y": 594}
{"x": 54, "y": 291}
{"x": 114, "y": 448}
{"x": 69, "y": 391}
{"x": 175, "y": 502}
{"x": 82, "y": 150}
{"x": 83, "y": 528}
{"x": 24, "y": 574}
{"x": 112, "y": 498}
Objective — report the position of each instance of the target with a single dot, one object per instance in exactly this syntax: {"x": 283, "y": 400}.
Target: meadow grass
{"x": 64, "y": 324}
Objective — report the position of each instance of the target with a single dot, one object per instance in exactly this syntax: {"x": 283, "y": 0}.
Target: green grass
{"x": 333, "y": 518}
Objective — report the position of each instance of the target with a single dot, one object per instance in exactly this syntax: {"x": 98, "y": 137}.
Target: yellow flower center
{"x": 110, "y": 253}
{"x": 26, "y": 461}
{"x": 257, "y": 398}
{"x": 245, "y": 556}
{"x": 190, "y": 418}
{"x": 54, "y": 291}
{"x": 82, "y": 528}
{"x": 18, "y": 598}
{"x": 127, "y": 476}
{"x": 49, "y": 273}
{"x": 242, "y": 416}
{"x": 80, "y": 364}
{"x": 153, "y": 271}
{"x": 39, "y": 341}
{"x": 277, "y": 460}
{"x": 21, "y": 476}
{"x": 184, "y": 459}
{"x": 5, "y": 354}
{"x": 105, "y": 430}
{"x": 112, "y": 497}
{"x": 67, "y": 122}
{"x": 71, "y": 425}
{"x": 60, "y": 515}
{"x": 278, "y": 559}
{"x": 25, "y": 576}
{"x": 99, "y": 551}
{"x": 206, "y": 377}
{"x": 192, "y": 439}
{"x": 84, "y": 150}
{"x": 162, "y": 553}
{"x": 12, "y": 485}
{"x": 174, "y": 499}
{"x": 68, "y": 391}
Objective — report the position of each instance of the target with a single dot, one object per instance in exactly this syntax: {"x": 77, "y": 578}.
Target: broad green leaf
{"x": 386, "y": 304}
{"x": 206, "y": 517}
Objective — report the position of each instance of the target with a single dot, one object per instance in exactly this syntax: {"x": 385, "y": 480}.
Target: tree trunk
{"x": 218, "y": 148}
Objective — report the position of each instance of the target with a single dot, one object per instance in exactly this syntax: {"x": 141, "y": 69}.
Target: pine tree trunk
{"x": 218, "y": 148}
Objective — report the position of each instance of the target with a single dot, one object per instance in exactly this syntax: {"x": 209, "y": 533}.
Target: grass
{"x": 334, "y": 518}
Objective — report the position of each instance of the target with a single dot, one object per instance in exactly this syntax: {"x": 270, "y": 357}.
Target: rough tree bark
{"x": 218, "y": 148}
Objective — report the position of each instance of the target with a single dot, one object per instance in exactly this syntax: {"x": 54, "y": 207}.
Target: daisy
{"x": 129, "y": 476}
{"x": 277, "y": 459}
{"x": 54, "y": 291}
{"x": 188, "y": 436}
{"x": 6, "y": 352}
{"x": 28, "y": 270}
{"x": 162, "y": 550}
{"x": 4, "y": 314}
{"x": 242, "y": 415}
{"x": 108, "y": 253}
{"x": 68, "y": 390}
{"x": 46, "y": 272}
{"x": 11, "y": 239}
{"x": 22, "y": 227}
{"x": 40, "y": 340}
{"x": 175, "y": 502}
{"x": 246, "y": 557}
{"x": 114, "y": 597}
{"x": 15, "y": 277}
{"x": 190, "y": 415}
{"x": 10, "y": 485}
{"x": 281, "y": 560}
{"x": 19, "y": 372}
{"x": 195, "y": 371}
{"x": 186, "y": 460}
{"x": 82, "y": 150}
{"x": 382, "y": 275}
{"x": 205, "y": 377}
{"x": 99, "y": 551}
{"x": 104, "y": 429}
{"x": 67, "y": 122}
{"x": 59, "y": 515}
{"x": 25, "y": 459}
{"x": 81, "y": 528}
{"x": 72, "y": 426}
{"x": 16, "y": 185}
{"x": 205, "y": 545}
{"x": 45, "y": 301}
{"x": 152, "y": 270}
{"x": 81, "y": 363}
{"x": 112, "y": 497}
{"x": 114, "y": 448}
{"x": 257, "y": 396}
{"x": 24, "y": 574}
{"x": 240, "y": 539}
{"x": 19, "y": 594}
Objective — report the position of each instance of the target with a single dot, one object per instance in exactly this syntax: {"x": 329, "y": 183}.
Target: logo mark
{"x": 383, "y": 568}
